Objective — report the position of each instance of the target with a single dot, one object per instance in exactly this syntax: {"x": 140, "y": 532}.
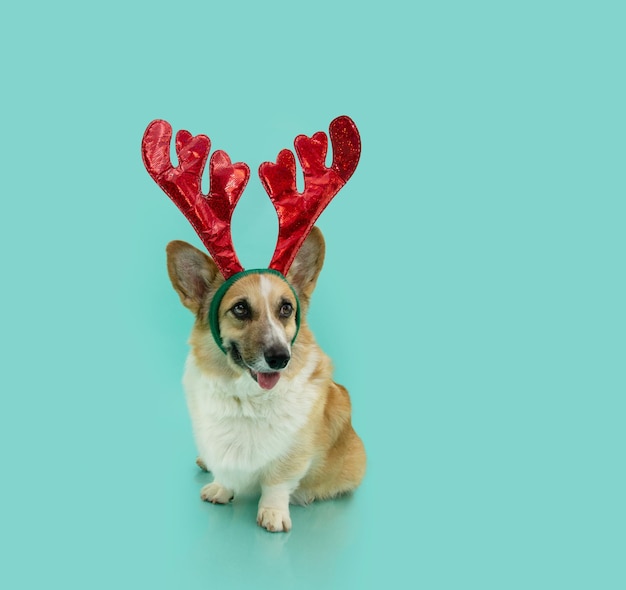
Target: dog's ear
{"x": 192, "y": 272}
{"x": 307, "y": 264}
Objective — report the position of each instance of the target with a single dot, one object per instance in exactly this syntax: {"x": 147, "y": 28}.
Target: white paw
{"x": 216, "y": 493}
{"x": 274, "y": 520}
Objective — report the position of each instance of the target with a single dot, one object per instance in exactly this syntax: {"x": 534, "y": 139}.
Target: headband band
{"x": 219, "y": 295}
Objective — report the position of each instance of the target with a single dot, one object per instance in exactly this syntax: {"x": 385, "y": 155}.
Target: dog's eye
{"x": 286, "y": 309}
{"x": 241, "y": 310}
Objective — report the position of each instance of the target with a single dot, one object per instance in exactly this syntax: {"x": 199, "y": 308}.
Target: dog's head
{"x": 257, "y": 315}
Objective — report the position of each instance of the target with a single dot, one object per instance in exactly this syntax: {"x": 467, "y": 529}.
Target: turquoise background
{"x": 472, "y": 299}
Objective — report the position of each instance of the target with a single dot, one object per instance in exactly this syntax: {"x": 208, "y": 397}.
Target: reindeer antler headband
{"x": 210, "y": 215}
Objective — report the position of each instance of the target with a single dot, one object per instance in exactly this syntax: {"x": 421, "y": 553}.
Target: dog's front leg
{"x": 273, "y": 513}
{"x": 216, "y": 493}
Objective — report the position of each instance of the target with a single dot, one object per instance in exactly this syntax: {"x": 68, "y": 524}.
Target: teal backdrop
{"x": 472, "y": 298}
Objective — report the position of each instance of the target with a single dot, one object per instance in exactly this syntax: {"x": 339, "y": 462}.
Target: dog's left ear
{"x": 307, "y": 264}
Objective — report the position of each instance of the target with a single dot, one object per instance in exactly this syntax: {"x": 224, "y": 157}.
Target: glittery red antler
{"x": 209, "y": 215}
{"x": 298, "y": 212}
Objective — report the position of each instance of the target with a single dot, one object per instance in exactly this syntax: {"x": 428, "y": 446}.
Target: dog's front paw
{"x": 274, "y": 520}
{"x": 216, "y": 493}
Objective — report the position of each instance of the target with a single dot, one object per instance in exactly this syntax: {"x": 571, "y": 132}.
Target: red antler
{"x": 298, "y": 212}
{"x": 209, "y": 215}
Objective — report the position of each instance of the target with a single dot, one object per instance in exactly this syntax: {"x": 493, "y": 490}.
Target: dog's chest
{"x": 244, "y": 433}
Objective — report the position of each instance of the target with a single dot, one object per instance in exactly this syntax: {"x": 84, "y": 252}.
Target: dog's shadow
{"x": 322, "y": 531}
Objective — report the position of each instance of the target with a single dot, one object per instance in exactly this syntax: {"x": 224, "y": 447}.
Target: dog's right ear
{"x": 192, "y": 272}
{"x": 307, "y": 265}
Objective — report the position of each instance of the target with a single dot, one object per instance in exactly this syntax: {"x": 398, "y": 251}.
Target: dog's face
{"x": 258, "y": 322}
{"x": 257, "y": 315}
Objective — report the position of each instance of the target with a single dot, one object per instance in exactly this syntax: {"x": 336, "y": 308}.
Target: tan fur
{"x": 326, "y": 457}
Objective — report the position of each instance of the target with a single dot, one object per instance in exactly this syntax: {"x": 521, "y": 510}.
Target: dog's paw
{"x": 200, "y": 463}
{"x": 216, "y": 493}
{"x": 301, "y": 498}
{"x": 274, "y": 520}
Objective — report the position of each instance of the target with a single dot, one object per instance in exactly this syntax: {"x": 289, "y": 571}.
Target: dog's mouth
{"x": 266, "y": 381}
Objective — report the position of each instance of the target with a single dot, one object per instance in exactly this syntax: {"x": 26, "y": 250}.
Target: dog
{"x": 266, "y": 415}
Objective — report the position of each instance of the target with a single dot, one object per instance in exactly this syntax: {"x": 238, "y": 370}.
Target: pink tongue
{"x": 267, "y": 380}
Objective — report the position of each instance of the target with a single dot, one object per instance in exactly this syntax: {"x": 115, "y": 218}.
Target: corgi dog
{"x": 267, "y": 417}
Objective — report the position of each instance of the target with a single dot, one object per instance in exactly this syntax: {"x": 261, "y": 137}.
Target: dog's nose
{"x": 277, "y": 359}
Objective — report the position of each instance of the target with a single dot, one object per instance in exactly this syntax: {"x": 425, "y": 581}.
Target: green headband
{"x": 219, "y": 295}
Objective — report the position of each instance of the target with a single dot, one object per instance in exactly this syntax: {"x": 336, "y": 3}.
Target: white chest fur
{"x": 240, "y": 429}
